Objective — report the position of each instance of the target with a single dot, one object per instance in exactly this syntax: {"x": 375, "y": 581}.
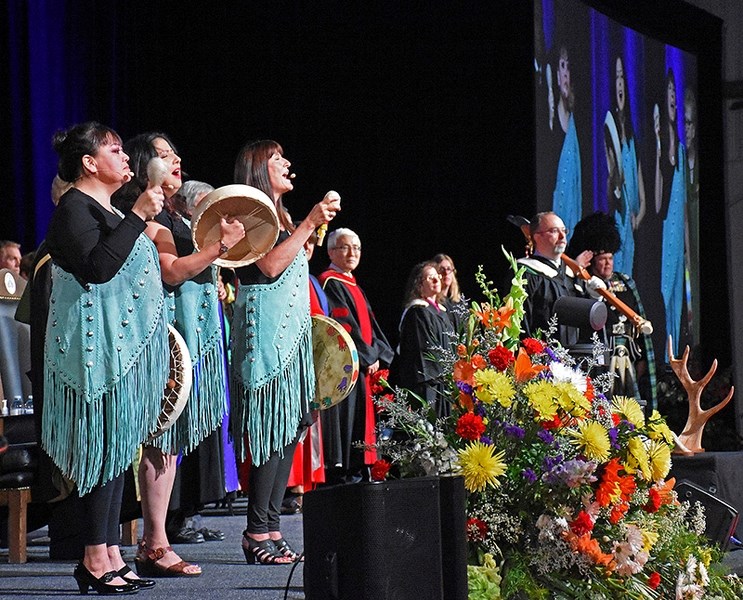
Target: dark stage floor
{"x": 225, "y": 574}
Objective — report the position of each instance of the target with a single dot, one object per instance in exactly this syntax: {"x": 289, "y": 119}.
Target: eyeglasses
{"x": 446, "y": 270}
{"x": 555, "y": 231}
{"x": 347, "y": 248}
{"x": 433, "y": 278}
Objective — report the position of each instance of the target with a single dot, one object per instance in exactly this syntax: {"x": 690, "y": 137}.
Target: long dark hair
{"x": 623, "y": 117}
{"x": 77, "y": 141}
{"x": 141, "y": 149}
{"x": 251, "y": 168}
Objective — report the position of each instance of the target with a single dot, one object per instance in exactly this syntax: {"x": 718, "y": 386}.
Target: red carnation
{"x": 470, "y": 426}
{"x": 379, "y": 470}
{"x": 532, "y": 346}
{"x": 376, "y": 386}
{"x": 582, "y": 524}
{"x": 500, "y": 357}
{"x": 654, "y": 580}
{"x": 654, "y": 501}
{"x": 476, "y": 530}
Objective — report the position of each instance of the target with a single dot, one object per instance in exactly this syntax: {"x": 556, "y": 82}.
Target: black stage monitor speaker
{"x": 722, "y": 519}
{"x": 386, "y": 540}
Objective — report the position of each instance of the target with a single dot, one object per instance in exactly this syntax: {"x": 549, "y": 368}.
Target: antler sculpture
{"x": 690, "y": 440}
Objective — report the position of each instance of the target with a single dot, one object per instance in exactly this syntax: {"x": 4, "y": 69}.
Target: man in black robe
{"x": 548, "y": 278}
{"x": 354, "y": 419}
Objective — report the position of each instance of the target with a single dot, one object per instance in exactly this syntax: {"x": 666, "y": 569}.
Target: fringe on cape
{"x": 271, "y": 414}
{"x": 93, "y": 442}
{"x": 206, "y": 405}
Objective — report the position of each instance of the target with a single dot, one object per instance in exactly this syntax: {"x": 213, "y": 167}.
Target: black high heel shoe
{"x": 264, "y": 552}
{"x": 286, "y": 550}
{"x": 86, "y": 580}
{"x": 139, "y": 582}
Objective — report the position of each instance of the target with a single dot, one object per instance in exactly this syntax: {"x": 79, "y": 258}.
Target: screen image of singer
{"x": 616, "y": 112}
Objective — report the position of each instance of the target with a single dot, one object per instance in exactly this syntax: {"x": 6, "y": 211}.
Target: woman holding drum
{"x": 192, "y": 308}
{"x": 272, "y": 374}
{"x": 106, "y": 348}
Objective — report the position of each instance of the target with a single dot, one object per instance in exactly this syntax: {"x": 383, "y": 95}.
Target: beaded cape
{"x": 106, "y": 357}
{"x": 272, "y": 374}
{"x": 193, "y": 309}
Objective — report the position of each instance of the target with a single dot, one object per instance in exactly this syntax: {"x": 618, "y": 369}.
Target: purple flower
{"x": 529, "y": 475}
{"x": 466, "y": 388}
{"x": 614, "y": 438}
{"x": 546, "y": 436}
{"x": 548, "y": 351}
{"x": 479, "y": 409}
{"x": 486, "y": 440}
{"x": 550, "y": 462}
{"x": 513, "y": 431}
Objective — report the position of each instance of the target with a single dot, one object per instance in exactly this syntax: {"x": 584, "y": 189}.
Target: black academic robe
{"x": 348, "y": 422}
{"x": 545, "y": 283}
{"x": 424, "y": 331}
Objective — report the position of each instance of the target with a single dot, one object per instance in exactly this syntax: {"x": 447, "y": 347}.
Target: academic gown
{"x": 424, "y": 330}
{"x": 545, "y": 283}
{"x": 353, "y": 419}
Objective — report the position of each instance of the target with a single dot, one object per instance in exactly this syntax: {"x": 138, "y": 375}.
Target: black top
{"x": 252, "y": 274}
{"x": 87, "y": 240}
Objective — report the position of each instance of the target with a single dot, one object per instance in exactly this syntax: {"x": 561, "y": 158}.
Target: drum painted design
{"x": 178, "y": 387}
{"x": 248, "y": 205}
{"x": 336, "y": 362}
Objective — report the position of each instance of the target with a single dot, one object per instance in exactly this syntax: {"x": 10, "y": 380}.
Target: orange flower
{"x": 461, "y": 350}
{"x": 479, "y": 362}
{"x": 497, "y": 319}
{"x": 465, "y": 401}
{"x": 589, "y": 546}
{"x": 665, "y": 491}
{"x": 524, "y": 370}
{"x": 464, "y": 371}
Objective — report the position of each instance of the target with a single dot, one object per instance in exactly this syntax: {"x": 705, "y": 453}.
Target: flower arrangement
{"x": 568, "y": 496}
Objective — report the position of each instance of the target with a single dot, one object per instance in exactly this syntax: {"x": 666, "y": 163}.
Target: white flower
{"x": 564, "y": 374}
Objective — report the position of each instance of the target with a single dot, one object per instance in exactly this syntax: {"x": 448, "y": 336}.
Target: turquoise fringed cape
{"x": 272, "y": 372}
{"x": 193, "y": 309}
{"x": 107, "y": 360}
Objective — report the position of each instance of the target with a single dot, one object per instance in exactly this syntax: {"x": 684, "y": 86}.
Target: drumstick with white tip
{"x": 323, "y": 229}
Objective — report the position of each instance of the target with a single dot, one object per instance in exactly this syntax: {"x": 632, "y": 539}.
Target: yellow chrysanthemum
{"x": 630, "y": 409}
{"x": 659, "y": 455}
{"x": 658, "y": 429}
{"x": 542, "y": 397}
{"x": 649, "y": 539}
{"x": 593, "y": 440}
{"x": 637, "y": 458}
{"x": 493, "y": 386}
{"x": 571, "y": 400}
{"x": 481, "y": 466}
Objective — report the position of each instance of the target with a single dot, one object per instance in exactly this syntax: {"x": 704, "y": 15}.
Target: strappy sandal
{"x": 286, "y": 550}
{"x": 264, "y": 552}
{"x": 148, "y": 566}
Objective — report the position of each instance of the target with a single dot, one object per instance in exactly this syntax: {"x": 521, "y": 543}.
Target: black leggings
{"x": 266, "y": 488}
{"x": 101, "y": 509}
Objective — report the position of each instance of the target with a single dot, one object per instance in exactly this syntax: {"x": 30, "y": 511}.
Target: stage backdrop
{"x": 421, "y": 115}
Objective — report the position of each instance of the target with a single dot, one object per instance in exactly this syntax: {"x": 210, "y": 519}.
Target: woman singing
{"x": 272, "y": 374}
{"x": 193, "y": 308}
{"x": 106, "y": 349}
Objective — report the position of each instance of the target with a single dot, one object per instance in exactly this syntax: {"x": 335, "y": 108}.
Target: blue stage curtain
{"x": 61, "y": 65}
